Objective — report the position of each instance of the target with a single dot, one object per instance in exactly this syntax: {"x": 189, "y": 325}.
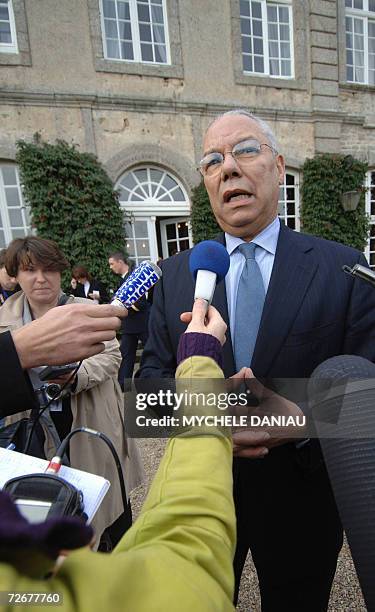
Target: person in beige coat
{"x": 96, "y": 400}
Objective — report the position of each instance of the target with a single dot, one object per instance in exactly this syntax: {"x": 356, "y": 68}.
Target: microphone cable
{"x": 55, "y": 463}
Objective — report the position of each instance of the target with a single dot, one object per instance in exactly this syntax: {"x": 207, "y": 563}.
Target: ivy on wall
{"x": 72, "y": 201}
{"x": 203, "y": 222}
{"x": 325, "y": 178}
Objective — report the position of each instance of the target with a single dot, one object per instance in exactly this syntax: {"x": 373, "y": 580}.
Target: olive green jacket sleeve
{"x": 178, "y": 555}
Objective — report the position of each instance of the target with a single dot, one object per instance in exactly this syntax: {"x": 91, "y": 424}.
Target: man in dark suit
{"x": 134, "y": 327}
{"x": 286, "y": 513}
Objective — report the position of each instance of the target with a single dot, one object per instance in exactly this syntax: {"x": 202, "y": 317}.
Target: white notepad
{"x": 93, "y": 487}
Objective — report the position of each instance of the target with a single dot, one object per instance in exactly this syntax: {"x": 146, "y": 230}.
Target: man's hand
{"x": 205, "y": 320}
{"x": 270, "y": 404}
{"x": 67, "y": 333}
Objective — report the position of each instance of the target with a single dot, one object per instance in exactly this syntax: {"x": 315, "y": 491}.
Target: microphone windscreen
{"x": 209, "y": 255}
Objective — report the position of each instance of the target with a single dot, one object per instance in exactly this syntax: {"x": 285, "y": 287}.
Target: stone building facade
{"x": 137, "y": 81}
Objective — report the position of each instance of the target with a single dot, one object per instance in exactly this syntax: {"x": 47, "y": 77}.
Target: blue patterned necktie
{"x": 249, "y": 307}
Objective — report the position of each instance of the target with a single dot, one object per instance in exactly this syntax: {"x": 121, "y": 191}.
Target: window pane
{"x": 272, "y": 13}
{"x": 283, "y": 14}
{"x": 160, "y": 53}
{"x": 110, "y": 28}
{"x": 246, "y": 44}
{"x": 258, "y": 46}
{"x": 245, "y": 8}
{"x": 5, "y": 35}
{"x": 113, "y": 49}
{"x": 359, "y": 58}
{"x": 157, "y": 14}
{"x": 156, "y": 175}
{"x": 168, "y": 182}
{"x": 143, "y": 247}
{"x": 143, "y": 12}
{"x": 358, "y": 26}
{"x": 273, "y": 32}
{"x": 140, "y": 229}
{"x": 2, "y": 240}
{"x": 348, "y": 3}
{"x": 4, "y": 12}
{"x": 349, "y": 57}
{"x": 127, "y": 50}
{"x": 12, "y": 196}
{"x": 273, "y": 49}
{"x": 123, "y": 10}
{"x": 257, "y": 28}
{"x": 358, "y": 4}
{"x": 284, "y": 32}
{"x": 371, "y": 5}
{"x": 274, "y": 67}
{"x": 286, "y": 68}
{"x": 358, "y": 42}
{"x": 158, "y": 32}
{"x": 9, "y": 175}
{"x": 258, "y": 64}
{"x": 147, "y": 54}
{"x": 109, "y": 8}
{"x": 182, "y": 229}
{"x": 245, "y": 26}
{"x": 349, "y": 73}
{"x": 285, "y": 50}
{"x": 371, "y": 28}
{"x": 171, "y": 231}
{"x": 15, "y": 217}
{"x": 141, "y": 175}
{"x": 125, "y": 30}
{"x": 256, "y": 9}
{"x": 145, "y": 32}
{"x": 178, "y": 196}
{"x": 247, "y": 63}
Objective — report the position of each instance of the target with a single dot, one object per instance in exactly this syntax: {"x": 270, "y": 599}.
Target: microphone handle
{"x": 205, "y": 285}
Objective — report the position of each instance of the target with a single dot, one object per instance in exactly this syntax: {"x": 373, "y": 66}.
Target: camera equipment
{"x": 56, "y": 371}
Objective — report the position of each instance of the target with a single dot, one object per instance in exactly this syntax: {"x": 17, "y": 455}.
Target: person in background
{"x": 94, "y": 399}
{"x": 84, "y": 285}
{"x": 178, "y": 554}
{"x": 8, "y": 284}
{"x": 135, "y": 326}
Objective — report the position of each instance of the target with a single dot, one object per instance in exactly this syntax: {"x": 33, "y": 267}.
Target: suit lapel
{"x": 292, "y": 273}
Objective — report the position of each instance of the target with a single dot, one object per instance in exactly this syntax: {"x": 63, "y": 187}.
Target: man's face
{"x": 117, "y": 266}
{"x": 7, "y": 282}
{"x": 243, "y": 196}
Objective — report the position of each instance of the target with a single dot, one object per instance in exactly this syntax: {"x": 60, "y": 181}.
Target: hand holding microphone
{"x": 205, "y": 321}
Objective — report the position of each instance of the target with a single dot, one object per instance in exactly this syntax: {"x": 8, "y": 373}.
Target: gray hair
{"x": 262, "y": 124}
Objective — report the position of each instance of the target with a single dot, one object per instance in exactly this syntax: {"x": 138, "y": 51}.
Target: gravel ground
{"x": 346, "y": 594}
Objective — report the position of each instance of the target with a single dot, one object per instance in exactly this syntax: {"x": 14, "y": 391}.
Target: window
{"x": 360, "y": 41}
{"x": 370, "y": 209}
{"x": 135, "y": 31}
{"x": 8, "y": 39}
{"x": 288, "y": 209}
{"x": 267, "y": 38}
{"x": 14, "y": 221}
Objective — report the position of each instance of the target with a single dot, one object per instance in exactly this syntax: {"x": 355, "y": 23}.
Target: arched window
{"x": 370, "y": 209}
{"x": 151, "y": 185}
{"x": 288, "y": 209}
{"x": 14, "y": 219}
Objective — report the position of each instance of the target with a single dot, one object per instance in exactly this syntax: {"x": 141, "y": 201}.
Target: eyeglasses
{"x": 242, "y": 152}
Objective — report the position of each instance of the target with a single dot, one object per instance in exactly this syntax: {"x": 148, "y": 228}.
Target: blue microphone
{"x": 209, "y": 263}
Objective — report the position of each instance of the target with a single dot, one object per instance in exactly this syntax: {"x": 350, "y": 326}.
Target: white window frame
{"x": 134, "y": 24}
{"x": 13, "y": 46}
{"x": 363, "y": 14}
{"x": 296, "y": 185}
{"x": 368, "y": 252}
{"x": 4, "y": 210}
{"x": 289, "y": 5}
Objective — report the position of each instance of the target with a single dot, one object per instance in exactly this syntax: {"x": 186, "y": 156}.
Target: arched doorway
{"x": 157, "y": 213}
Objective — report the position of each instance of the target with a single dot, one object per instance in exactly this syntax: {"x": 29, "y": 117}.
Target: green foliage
{"x": 325, "y": 179}
{"x": 203, "y": 222}
{"x": 72, "y": 201}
